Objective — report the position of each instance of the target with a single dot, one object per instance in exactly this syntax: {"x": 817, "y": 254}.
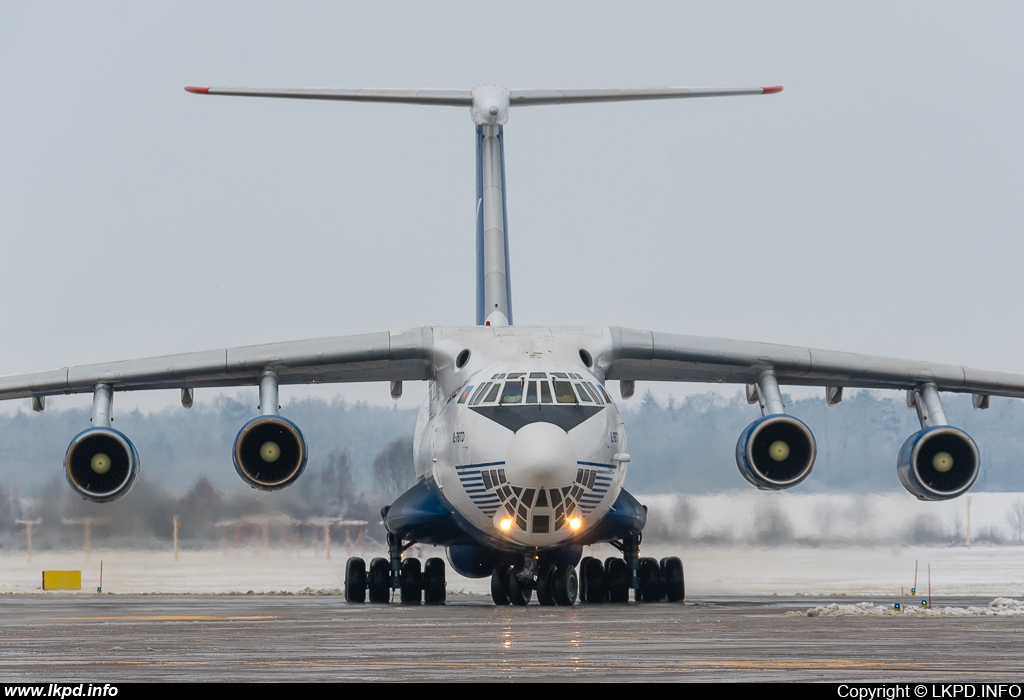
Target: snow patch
{"x": 1000, "y": 607}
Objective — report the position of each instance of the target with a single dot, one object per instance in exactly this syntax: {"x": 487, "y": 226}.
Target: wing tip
{"x": 771, "y": 90}
{"x": 197, "y": 90}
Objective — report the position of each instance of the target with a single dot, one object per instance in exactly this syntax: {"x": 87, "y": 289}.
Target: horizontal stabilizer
{"x": 577, "y": 95}
{"x": 449, "y": 98}
{"x": 487, "y": 97}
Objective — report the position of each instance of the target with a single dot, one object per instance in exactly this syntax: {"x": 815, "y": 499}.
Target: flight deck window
{"x": 592, "y": 391}
{"x": 479, "y": 394}
{"x": 531, "y": 393}
{"x": 584, "y": 396}
{"x": 538, "y": 375}
{"x": 493, "y": 393}
{"x": 563, "y": 393}
{"x": 513, "y": 392}
{"x": 545, "y": 392}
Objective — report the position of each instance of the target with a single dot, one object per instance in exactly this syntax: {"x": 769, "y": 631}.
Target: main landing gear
{"x": 555, "y": 585}
{"x": 651, "y": 581}
{"x": 396, "y": 573}
{"x": 599, "y": 582}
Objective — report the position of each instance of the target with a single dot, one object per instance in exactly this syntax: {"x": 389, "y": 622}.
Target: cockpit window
{"x": 513, "y": 392}
{"x": 538, "y": 375}
{"x": 545, "y": 392}
{"x": 563, "y": 392}
{"x": 493, "y": 393}
{"x": 478, "y": 396}
{"x": 531, "y": 392}
{"x": 584, "y": 396}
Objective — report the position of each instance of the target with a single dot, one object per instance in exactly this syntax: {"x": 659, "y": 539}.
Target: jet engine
{"x": 775, "y": 452}
{"x": 269, "y": 452}
{"x": 938, "y": 463}
{"x": 101, "y": 464}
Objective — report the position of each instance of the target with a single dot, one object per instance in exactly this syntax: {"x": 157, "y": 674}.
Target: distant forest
{"x": 361, "y": 458}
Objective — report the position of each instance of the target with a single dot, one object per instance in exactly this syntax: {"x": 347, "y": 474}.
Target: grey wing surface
{"x": 656, "y": 356}
{"x": 384, "y": 356}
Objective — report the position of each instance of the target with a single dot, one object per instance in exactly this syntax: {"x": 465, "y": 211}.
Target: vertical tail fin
{"x": 493, "y": 280}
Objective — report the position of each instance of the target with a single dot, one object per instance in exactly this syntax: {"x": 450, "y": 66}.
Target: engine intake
{"x": 938, "y": 463}
{"x": 775, "y": 452}
{"x": 269, "y": 453}
{"x": 101, "y": 464}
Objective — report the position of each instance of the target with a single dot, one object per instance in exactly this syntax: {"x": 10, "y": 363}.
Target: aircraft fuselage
{"x": 521, "y": 437}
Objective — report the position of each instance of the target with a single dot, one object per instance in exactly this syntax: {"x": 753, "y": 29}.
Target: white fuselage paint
{"x": 485, "y": 469}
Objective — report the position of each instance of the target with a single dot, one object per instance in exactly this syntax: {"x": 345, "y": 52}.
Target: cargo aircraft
{"x": 520, "y": 452}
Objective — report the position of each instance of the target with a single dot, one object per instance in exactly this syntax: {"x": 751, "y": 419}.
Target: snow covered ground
{"x": 852, "y": 571}
{"x": 827, "y": 545}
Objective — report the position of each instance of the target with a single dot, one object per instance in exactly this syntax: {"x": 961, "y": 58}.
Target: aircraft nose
{"x": 541, "y": 454}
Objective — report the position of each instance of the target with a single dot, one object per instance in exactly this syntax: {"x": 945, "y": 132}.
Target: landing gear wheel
{"x": 355, "y": 580}
{"x": 672, "y": 579}
{"x": 545, "y": 585}
{"x": 518, "y": 593}
{"x": 566, "y": 586}
{"x": 650, "y": 580}
{"x": 412, "y": 581}
{"x": 435, "y": 589}
{"x": 379, "y": 581}
{"x": 499, "y": 584}
{"x": 593, "y": 583}
{"x": 616, "y": 573}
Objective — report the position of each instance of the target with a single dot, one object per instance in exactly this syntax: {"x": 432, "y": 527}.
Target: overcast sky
{"x": 873, "y": 206}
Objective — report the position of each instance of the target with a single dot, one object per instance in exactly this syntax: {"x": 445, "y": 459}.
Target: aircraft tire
{"x": 616, "y": 573}
{"x": 435, "y": 587}
{"x": 499, "y": 584}
{"x": 379, "y": 581}
{"x": 650, "y": 580}
{"x": 412, "y": 581}
{"x": 566, "y": 586}
{"x": 545, "y": 585}
{"x": 672, "y": 580}
{"x": 518, "y": 594}
{"x": 355, "y": 580}
{"x": 593, "y": 582}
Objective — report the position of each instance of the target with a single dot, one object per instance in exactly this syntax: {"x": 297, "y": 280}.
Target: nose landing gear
{"x": 555, "y": 585}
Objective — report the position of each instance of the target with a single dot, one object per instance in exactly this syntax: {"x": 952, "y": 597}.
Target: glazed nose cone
{"x": 541, "y": 454}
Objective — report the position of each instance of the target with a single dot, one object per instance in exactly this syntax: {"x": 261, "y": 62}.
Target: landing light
{"x": 575, "y": 523}
{"x": 505, "y": 524}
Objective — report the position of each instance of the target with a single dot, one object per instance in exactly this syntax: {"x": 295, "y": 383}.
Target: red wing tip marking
{"x": 764, "y": 91}
{"x": 206, "y": 90}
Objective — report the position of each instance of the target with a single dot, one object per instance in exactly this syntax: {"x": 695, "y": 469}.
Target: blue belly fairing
{"x": 423, "y": 514}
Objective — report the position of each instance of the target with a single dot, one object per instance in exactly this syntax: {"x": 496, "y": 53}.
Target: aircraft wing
{"x": 656, "y": 356}
{"x": 385, "y": 356}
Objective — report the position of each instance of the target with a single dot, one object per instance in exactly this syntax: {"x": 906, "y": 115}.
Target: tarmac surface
{"x": 106, "y": 638}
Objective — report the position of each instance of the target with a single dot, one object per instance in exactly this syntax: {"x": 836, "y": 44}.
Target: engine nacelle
{"x": 101, "y": 464}
{"x": 269, "y": 453}
{"x": 775, "y": 452}
{"x": 938, "y": 463}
